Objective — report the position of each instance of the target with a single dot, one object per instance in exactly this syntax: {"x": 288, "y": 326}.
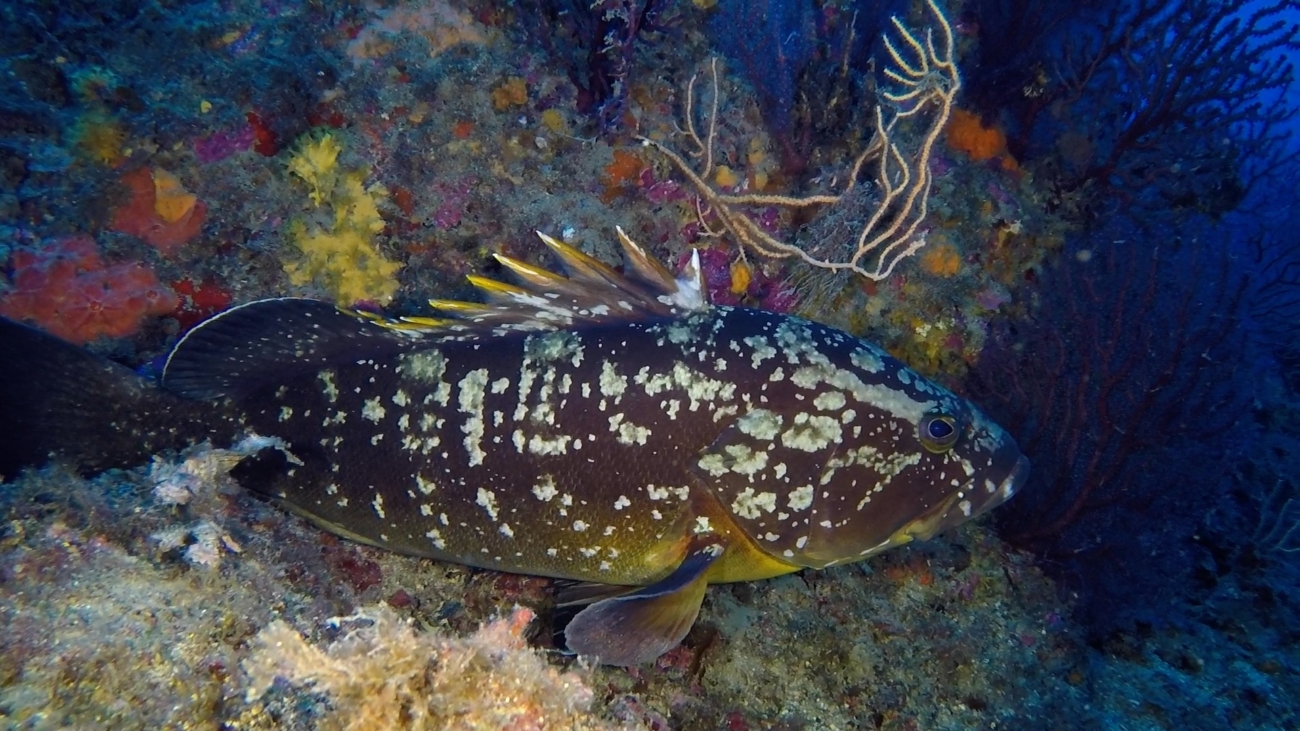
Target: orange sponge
{"x": 966, "y": 133}
{"x": 160, "y": 211}
{"x": 621, "y": 174}
{"x": 941, "y": 260}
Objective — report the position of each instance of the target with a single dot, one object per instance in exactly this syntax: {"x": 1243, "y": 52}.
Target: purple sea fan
{"x": 1124, "y": 386}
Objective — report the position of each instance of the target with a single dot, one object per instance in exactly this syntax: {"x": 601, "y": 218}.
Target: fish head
{"x": 846, "y": 451}
{"x": 946, "y": 465}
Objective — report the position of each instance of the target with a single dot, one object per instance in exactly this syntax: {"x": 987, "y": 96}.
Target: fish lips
{"x": 1009, "y": 486}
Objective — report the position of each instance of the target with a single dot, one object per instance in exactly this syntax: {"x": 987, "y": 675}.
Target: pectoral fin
{"x": 585, "y": 593}
{"x": 638, "y": 627}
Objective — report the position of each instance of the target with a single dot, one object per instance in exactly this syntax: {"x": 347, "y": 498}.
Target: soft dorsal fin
{"x": 590, "y": 291}
{"x": 247, "y": 346}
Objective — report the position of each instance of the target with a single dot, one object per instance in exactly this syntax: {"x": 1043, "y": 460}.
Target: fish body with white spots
{"x": 606, "y": 427}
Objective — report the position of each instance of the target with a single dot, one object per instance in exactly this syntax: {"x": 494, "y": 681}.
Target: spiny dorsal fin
{"x": 590, "y": 291}
{"x": 246, "y": 346}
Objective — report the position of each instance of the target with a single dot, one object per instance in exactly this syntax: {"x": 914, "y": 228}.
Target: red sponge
{"x": 66, "y": 290}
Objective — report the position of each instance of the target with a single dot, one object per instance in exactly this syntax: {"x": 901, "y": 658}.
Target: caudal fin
{"x": 60, "y": 401}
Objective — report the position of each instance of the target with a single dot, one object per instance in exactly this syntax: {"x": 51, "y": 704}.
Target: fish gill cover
{"x": 1077, "y": 216}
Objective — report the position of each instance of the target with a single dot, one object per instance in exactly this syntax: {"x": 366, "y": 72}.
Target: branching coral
{"x": 924, "y": 83}
{"x": 1149, "y": 71}
{"x": 1126, "y": 389}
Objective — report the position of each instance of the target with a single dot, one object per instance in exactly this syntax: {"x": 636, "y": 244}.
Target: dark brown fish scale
{"x": 579, "y": 453}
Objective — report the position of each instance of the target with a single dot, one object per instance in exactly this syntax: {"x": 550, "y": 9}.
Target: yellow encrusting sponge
{"x": 343, "y": 258}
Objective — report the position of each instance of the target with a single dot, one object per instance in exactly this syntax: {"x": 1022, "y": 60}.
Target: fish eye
{"x": 938, "y": 432}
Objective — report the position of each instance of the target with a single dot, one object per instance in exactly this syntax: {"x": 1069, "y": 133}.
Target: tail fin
{"x": 60, "y": 401}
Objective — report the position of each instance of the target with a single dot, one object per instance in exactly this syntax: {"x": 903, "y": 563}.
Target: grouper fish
{"x": 604, "y": 427}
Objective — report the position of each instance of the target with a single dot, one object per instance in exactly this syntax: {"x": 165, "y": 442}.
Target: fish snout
{"x": 993, "y": 493}
{"x": 974, "y": 499}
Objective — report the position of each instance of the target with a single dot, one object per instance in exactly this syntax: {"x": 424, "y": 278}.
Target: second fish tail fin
{"x": 61, "y": 401}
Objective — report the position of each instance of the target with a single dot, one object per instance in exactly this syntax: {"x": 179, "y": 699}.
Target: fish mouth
{"x": 949, "y": 516}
